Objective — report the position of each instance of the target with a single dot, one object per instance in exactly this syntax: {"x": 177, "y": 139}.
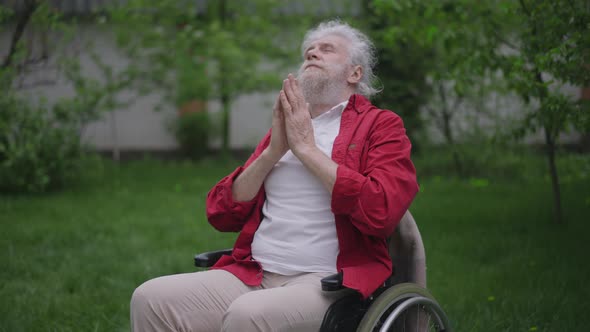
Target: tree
{"x": 431, "y": 39}
{"x": 402, "y": 68}
{"x": 40, "y": 141}
{"x": 228, "y": 47}
{"x": 537, "y": 45}
{"x": 551, "y": 48}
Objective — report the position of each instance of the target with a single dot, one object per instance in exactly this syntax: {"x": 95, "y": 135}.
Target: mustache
{"x": 306, "y": 65}
{"x": 312, "y": 64}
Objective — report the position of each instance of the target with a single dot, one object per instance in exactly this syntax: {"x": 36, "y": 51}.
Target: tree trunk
{"x": 447, "y": 131}
{"x": 549, "y": 138}
{"x": 225, "y": 115}
{"x": 21, "y": 24}
{"x": 451, "y": 142}
{"x": 550, "y": 151}
{"x": 225, "y": 94}
{"x": 116, "y": 152}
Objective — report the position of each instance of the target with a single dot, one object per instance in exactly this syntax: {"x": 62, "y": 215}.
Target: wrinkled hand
{"x": 299, "y": 130}
{"x": 278, "y": 140}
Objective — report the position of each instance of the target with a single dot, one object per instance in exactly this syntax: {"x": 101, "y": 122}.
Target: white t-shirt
{"x": 298, "y": 233}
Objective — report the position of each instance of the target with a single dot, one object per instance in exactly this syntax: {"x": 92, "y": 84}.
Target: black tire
{"x": 395, "y": 296}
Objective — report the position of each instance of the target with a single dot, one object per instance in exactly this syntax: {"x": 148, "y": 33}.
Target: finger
{"x": 287, "y": 109}
{"x": 294, "y": 82}
{"x": 277, "y": 103}
{"x": 277, "y": 112}
{"x": 290, "y": 93}
{"x": 297, "y": 89}
{"x": 286, "y": 86}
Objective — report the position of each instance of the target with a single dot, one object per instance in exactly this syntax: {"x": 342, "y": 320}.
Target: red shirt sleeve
{"x": 223, "y": 212}
{"x": 378, "y": 196}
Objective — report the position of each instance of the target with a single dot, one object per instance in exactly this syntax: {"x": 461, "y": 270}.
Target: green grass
{"x": 71, "y": 260}
{"x": 496, "y": 260}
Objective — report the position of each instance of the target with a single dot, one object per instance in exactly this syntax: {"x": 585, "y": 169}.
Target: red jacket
{"x": 375, "y": 184}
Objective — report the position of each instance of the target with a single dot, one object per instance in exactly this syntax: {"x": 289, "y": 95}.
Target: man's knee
{"x": 144, "y": 297}
{"x": 156, "y": 306}
{"x": 178, "y": 302}
{"x": 142, "y": 308}
{"x": 246, "y": 314}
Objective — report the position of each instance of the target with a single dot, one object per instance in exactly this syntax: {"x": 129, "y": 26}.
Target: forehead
{"x": 330, "y": 39}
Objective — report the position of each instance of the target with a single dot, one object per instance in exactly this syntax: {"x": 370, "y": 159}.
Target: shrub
{"x": 36, "y": 152}
{"x": 192, "y": 133}
{"x": 481, "y": 161}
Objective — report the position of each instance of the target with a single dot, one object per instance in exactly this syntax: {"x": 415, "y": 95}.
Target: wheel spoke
{"x": 405, "y": 307}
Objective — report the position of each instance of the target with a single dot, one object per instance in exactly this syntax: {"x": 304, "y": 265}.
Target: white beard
{"x": 323, "y": 86}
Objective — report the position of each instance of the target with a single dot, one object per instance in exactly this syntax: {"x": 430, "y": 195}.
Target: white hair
{"x": 361, "y": 51}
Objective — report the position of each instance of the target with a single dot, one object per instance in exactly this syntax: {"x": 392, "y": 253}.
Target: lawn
{"x": 71, "y": 260}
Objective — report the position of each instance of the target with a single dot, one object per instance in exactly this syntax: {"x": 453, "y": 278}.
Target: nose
{"x": 311, "y": 55}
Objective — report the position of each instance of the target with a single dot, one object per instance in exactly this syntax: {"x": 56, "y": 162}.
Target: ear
{"x": 356, "y": 75}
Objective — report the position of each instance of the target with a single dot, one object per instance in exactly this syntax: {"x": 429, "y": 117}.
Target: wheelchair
{"x": 402, "y": 303}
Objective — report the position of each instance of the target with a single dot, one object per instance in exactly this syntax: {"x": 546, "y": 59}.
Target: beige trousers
{"x": 216, "y": 300}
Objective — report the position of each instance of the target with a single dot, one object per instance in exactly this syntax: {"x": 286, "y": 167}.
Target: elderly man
{"x": 320, "y": 194}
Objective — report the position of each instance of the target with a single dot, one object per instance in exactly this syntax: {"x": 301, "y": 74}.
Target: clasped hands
{"x": 291, "y": 122}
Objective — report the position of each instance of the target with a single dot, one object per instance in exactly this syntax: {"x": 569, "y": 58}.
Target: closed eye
{"x": 327, "y": 48}
{"x": 324, "y": 48}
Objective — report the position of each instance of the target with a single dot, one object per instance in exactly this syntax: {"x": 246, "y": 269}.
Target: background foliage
{"x": 530, "y": 48}
{"x": 40, "y": 142}
{"x": 216, "y": 51}
{"x": 72, "y": 258}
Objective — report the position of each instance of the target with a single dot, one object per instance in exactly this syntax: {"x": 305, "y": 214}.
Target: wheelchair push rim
{"x": 399, "y": 300}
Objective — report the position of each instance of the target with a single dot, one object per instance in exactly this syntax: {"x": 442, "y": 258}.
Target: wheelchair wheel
{"x": 404, "y": 307}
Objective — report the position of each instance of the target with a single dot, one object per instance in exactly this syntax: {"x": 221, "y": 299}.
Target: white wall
{"x": 141, "y": 127}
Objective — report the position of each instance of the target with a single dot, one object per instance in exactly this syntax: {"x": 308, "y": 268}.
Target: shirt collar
{"x": 340, "y": 107}
{"x": 336, "y": 111}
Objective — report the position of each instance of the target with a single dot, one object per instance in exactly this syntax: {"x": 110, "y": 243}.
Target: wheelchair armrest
{"x": 208, "y": 259}
{"x": 332, "y": 282}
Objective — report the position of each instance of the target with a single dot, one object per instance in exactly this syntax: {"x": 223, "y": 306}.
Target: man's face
{"x": 324, "y": 73}
{"x": 326, "y": 56}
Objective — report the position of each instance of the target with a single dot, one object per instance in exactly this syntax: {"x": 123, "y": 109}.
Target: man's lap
{"x": 206, "y": 299}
